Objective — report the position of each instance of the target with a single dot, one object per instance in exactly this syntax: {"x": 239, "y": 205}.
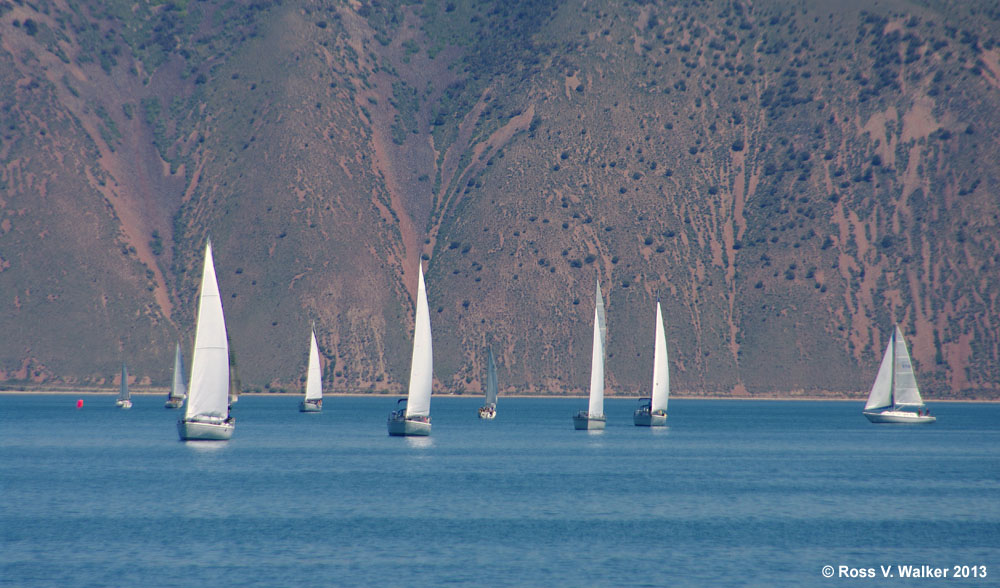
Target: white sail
{"x": 491, "y": 379}
{"x": 418, "y": 401}
{"x": 179, "y": 388}
{"x": 123, "y": 389}
{"x": 661, "y": 369}
{"x": 314, "y": 378}
{"x": 881, "y": 393}
{"x": 596, "y": 408}
{"x": 904, "y": 382}
{"x": 208, "y": 393}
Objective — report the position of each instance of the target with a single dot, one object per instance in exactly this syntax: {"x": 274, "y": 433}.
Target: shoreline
{"x": 769, "y": 398}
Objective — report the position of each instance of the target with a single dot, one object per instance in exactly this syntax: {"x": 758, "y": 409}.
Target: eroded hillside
{"x": 789, "y": 180}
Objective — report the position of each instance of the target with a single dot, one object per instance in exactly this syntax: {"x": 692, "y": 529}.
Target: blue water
{"x": 732, "y": 493}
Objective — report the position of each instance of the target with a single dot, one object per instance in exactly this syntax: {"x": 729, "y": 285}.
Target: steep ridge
{"x": 790, "y": 180}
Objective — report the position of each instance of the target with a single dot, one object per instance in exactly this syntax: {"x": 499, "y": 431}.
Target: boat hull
{"x": 898, "y": 417}
{"x": 645, "y": 419}
{"x": 305, "y": 406}
{"x": 585, "y": 422}
{"x": 173, "y": 403}
{"x": 196, "y": 431}
{"x": 408, "y": 428}
{"x": 124, "y": 404}
{"x": 487, "y": 413}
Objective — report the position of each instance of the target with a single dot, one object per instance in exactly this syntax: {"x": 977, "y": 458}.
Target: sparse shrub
{"x": 156, "y": 243}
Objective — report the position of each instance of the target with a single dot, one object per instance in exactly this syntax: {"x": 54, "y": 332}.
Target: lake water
{"x": 751, "y": 493}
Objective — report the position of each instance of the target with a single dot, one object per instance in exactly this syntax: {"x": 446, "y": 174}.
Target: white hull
{"x": 306, "y": 406}
{"x": 485, "y": 412}
{"x": 408, "y": 428}
{"x": 898, "y": 416}
{"x": 123, "y": 404}
{"x": 643, "y": 418}
{"x": 173, "y": 403}
{"x": 194, "y": 431}
{"x": 585, "y": 422}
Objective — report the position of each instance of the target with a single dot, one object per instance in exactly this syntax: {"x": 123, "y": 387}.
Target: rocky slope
{"x": 789, "y": 180}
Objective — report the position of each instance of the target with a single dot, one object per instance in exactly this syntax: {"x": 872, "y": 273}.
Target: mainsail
{"x": 596, "y": 407}
{"x": 904, "y": 384}
{"x": 123, "y": 389}
{"x": 314, "y": 379}
{"x": 491, "y": 378}
{"x": 661, "y": 370}
{"x": 179, "y": 388}
{"x": 418, "y": 401}
{"x": 209, "y": 390}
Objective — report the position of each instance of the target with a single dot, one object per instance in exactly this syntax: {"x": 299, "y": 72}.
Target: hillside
{"x": 789, "y": 179}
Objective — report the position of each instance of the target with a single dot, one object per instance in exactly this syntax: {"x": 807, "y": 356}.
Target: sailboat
{"x": 895, "y": 389}
{"x": 124, "y": 400}
{"x": 206, "y": 415}
{"x": 489, "y": 409}
{"x": 313, "y": 402}
{"x": 593, "y": 418}
{"x": 412, "y": 414}
{"x": 652, "y": 411}
{"x": 178, "y": 391}
{"x": 235, "y": 385}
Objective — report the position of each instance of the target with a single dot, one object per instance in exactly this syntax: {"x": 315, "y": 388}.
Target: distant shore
{"x": 833, "y": 397}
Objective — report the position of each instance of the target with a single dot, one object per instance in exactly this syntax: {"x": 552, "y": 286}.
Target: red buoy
{"x": 79, "y": 403}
